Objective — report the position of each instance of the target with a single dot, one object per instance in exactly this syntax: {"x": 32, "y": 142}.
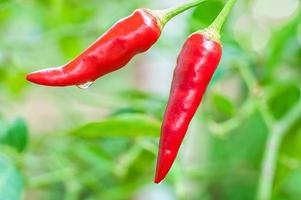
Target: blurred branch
{"x": 213, "y": 171}
{"x": 272, "y": 148}
{"x": 148, "y": 145}
{"x": 256, "y": 94}
{"x": 255, "y": 100}
{"x": 73, "y": 190}
{"x": 179, "y": 182}
{"x": 51, "y": 178}
{"x": 276, "y": 130}
{"x": 221, "y": 129}
{"x": 127, "y": 159}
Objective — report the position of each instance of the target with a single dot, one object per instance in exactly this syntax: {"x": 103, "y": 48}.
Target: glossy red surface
{"x": 196, "y": 65}
{"x": 114, "y": 49}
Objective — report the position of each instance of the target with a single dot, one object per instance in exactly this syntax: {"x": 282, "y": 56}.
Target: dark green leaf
{"x": 131, "y": 125}
{"x": 17, "y": 135}
{"x": 283, "y": 99}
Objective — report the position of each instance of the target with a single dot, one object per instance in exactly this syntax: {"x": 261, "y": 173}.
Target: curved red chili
{"x": 114, "y": 49}
{"x": 196, "y": 65}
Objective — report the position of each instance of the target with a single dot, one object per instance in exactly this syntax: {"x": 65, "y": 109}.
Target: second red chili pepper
{"x": 196, "y": 65}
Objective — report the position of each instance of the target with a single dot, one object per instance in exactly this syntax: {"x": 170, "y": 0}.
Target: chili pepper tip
{"x": 33, "y": 77}
{"x": 48, "y": 77}
{"x": 158, "y": 179}
{"x": 164, "y": 164}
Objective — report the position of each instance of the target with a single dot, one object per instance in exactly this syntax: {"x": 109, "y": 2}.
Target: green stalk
{"x": 213, "y": 31}
{"x": 269, "y": 163}
{"x": 168, "y": 14}
{"x": 221, "y": 18}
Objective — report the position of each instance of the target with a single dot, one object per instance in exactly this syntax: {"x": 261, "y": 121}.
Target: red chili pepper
{"x": 196, "y": 65}
{"x": 114, "y": 49}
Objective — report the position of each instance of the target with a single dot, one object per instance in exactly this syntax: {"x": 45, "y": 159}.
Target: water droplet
{"x": 85, "y": 85}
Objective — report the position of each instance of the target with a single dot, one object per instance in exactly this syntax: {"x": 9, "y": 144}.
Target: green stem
{"x": 51, "y": 178}
{"x": 254, "y": 89}
{"x": 278, "y": 131}
{"x": 272, "y": 149}
{"x": 168, "y": 14}
{"x": 221, "y": 18}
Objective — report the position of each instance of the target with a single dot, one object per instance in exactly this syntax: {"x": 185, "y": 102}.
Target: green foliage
{"x": 11, "y": 181}
{"x": 204, "y": 15}
{"x": 237, "y": 158}
{"x": 101, "y": 143}
{"x": 283, "y": 99}
{"x": 288, "y": 176}
{"x": 279, "y": 41}
{"x": 142, "y": 102}
{"x": 126, "y": 125}
{"x": 15, "y": 134}
{"x": 223, "y": 106}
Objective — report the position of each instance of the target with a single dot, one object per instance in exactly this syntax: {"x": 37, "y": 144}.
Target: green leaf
{"x": 283, "y": 99}
{"x": 17, "y": 135}
{"x": 204, "y": 15}
{"x": 278, "y": 42}
{"x": 131, "y": 125}
{"x": 11, "y": 181}
{"x": 223, "y": 105}
{"x": 135, "y": 95}
{"x": 140, "y": 102}
{"x": 237, "y": 158}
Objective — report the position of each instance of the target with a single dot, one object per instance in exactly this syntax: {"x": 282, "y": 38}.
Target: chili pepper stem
{"x": 168, "y": 14}
{"x": 213, "y": 31}
{"x": 221, "y": 18}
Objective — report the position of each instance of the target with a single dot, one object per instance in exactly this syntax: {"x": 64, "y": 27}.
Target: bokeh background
{"x": 101, "y": 143}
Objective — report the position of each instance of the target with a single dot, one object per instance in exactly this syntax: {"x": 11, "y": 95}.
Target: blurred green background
{"x": 101, "y": 143}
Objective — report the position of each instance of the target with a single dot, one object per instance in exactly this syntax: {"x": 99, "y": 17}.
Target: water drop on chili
{"x": 85, "y": 85}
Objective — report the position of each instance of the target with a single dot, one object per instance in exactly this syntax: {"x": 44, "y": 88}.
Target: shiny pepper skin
{"x": 196, "y": 65}
{"x": 114, "y": 49}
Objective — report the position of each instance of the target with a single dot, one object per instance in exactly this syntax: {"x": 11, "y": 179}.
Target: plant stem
{"x": 221, "y": 18}
{"x": 277, "y": 130}
{"x": 50, "y": 178}
{"x": 272, "y": 149}
{"x": 168, "y": 14}
{"x": 254, "y": 89}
